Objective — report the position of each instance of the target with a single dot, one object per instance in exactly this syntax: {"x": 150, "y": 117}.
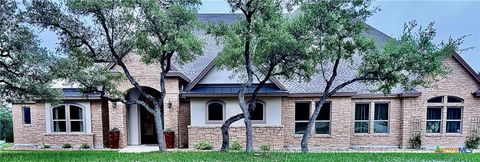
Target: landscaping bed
{"x": 91, "y": 155}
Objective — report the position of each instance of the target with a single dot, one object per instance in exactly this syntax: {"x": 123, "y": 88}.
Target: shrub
{"x": 46, "y": 146}
{"x": 472, "y": 141}
{"x": 265, "y": 147}
{"x": 204, "y": 145}
{"x": 84, "y": 146}
{"x": 115, "y": 129}
{"x": 6, "y": 124}
{"x": 236, "y": 146}
{"x": 416, "y": 141}
{"x": 67, "y": 145}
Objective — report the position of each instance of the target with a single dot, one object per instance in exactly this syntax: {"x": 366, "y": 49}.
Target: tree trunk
{"x": 306, "y": 135}
{"x": 225, "y": 127}
{"x": 159, "y": 128}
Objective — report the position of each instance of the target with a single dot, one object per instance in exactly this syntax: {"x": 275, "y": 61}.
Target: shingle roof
{"x": 315, "y": 85}
{"x": 76, "y": 92}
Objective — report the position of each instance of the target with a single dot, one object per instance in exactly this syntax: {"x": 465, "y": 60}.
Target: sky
{"x": 454, "y": 18}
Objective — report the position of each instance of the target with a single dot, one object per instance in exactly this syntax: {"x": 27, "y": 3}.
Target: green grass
{"x": 231, "y": 156}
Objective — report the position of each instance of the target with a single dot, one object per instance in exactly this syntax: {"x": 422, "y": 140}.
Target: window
{"x": 27, "y": 118}
{"x": 302, "y": 114}
{"x": 215, "y": 111}
{"x": 436, "y": 100}
{"x": 361, "y": 118}
{"x": 68, "y": 118}
{"x": 322, "y": 124}
{"x": 380, "y": 123}
{"x": 258, "y": 114}
{"x": 441, "y": 121}
{"x": 453, "y": 99}
{"x": 454, "y": 120}
{"x": 434, "y": 119}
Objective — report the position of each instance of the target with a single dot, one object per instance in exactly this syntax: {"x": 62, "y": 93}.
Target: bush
{"x": 6, "y": 124}
{"x": 472, "y": 141}
{"x": 265, "y": 147}
{"x": 46, "y": 146}
{"x": 236, "y": 146}
{"x": 84, "y": 146}
{"x": 416, "y": 141}
{"x": 204, "y": 145}
{"x": 67, "y": 145}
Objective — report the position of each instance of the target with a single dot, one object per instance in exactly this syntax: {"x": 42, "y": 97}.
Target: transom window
{"x": 444, "y": 114}
{"x": 303, "y": 111}
{"x": 68, "y": 118}
{"x": 215, "y": 112}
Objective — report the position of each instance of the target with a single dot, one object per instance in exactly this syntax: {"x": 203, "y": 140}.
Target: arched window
{"x": 438, "y": 99}
{"x": 215, "y": 112}
{"x": 258, "y": 114}
{"x": 444, "y": 117}
{"x": 68, "y": 118}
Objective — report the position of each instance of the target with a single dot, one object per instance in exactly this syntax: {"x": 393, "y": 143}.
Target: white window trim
{"x": 311, "y": 110}
{"x": 363, "y": 121}
{"x": 435, "y": 120}
{"x": 388, "y": 117}
{"x": 460, "y": 120}
{"x": 444, "y": 108}
{"x": 207, "y": 121}
{"x": 87, "y": 118}
{"x": 264, "y": 120}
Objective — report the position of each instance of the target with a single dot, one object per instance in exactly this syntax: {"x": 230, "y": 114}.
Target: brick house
{"x": 200, "y": 96}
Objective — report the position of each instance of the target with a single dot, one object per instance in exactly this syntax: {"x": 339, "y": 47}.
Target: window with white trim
{"x": 215, "y": 112}
{"x": 380, "y": 120}
{"x": 258, "y": 114}
{"x": 362, "y": 113}
{"x": 444, "y": 114}
{"x": 68, "y": 118}
{"x": 303, "y": 112}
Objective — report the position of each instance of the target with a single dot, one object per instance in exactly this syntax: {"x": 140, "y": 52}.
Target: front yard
{"x": 231, "y": 156}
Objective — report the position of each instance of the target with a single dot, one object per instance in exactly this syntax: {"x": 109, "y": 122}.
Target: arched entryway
{"x": 141, "y": 125}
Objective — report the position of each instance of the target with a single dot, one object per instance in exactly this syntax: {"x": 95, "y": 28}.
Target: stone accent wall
{"x": 35, "y": 133}
{"x": 271, "y": 135}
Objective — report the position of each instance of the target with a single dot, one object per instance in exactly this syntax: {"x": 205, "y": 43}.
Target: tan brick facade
{"x": 406, "y": 115}
{"x": 35, "y": 133}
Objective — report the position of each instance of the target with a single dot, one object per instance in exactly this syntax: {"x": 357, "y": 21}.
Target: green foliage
{"x": 472, "y": 141}
{"x": 67, "y": 145}
{"x": 204, "y": 145}
{"x": 276, "y": 42}
{"x": 84, "y": 146}
{"x": 236, "y": 145}
{"x": 265, "y": 147}
{"x": 24, "y": 65}
{"x": 46, "y": 146}
{"x": 416, "y": 141}
{"x": 6, "y": 124}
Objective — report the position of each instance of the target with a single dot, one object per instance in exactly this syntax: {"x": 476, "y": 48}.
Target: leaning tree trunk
{"x": 225, "y": 134}
{"x": 159, "y": 129}
{"x": 306, "y": 135}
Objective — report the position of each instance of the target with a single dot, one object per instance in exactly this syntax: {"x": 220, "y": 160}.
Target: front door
{"x": 147, "y": 127}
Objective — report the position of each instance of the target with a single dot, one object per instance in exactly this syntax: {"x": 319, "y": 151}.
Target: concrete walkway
{"x": 139, "y": 149}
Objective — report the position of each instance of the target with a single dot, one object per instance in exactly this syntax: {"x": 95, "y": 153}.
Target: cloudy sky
{"x": 453, "y": 18}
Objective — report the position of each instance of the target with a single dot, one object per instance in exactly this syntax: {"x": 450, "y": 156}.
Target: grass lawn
{"x": 71, "y": 156}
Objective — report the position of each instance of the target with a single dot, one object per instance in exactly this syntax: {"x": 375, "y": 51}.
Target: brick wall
{"x": 35, "y": 133}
